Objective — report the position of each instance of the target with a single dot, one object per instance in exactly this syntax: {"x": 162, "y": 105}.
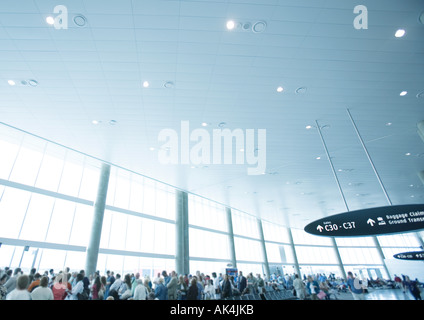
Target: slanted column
{"x": 182, "y": 257}
{"x": 262, "y": 240}
{"x": 296, "y": 262}
{"x": 339, "y": 258}
{"x": 231, "y": 238}
{"x": 97, "y": 222}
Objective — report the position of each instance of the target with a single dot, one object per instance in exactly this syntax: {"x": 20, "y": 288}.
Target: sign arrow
{"x": 371, "y": 222}
{"x": 320, "y": 228}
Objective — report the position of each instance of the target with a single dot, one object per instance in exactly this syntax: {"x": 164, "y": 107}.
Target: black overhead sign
{"x": 372, "y": 221}
{"x": 413, "y": 255}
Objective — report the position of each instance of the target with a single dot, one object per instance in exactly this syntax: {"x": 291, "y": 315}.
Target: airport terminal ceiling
{"x": 130, "y": 82}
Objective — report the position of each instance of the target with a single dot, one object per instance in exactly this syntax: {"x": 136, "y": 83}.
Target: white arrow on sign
{"x": 320, "y": 228}
{"x": 371, "y": 222}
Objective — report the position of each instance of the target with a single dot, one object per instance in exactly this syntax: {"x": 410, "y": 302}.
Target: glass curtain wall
{"x": 47, "y": 194}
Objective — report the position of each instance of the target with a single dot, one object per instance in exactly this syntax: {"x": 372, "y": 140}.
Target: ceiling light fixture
{"x": 50, "y": 20}
{"x": 407, "y": 154}
{"x": 308, "y": 127}
{"x": 33, "y": 83}
{"x": 280, "y": 89}
{"x": 80, "y": 20}
{"x": 403, "y": 93}
{"x": 301, "y": 90}
{"x": 204, "y": 124}
{"x": 400, "y": 33}
{"x": 95, "y": 122}
{"x": 259, "y": 26}
{"x": 168, "y": 84}
{"x": 146, "y": 84}
{"x": 11, "y": 82}
{"x": 230, "y": 24}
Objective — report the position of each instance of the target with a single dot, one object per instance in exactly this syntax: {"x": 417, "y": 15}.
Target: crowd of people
{"x": 66, "y": 285}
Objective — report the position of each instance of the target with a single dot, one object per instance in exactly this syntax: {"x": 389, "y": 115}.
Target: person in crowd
{"x": 60, "y": 287}
{"x": 31, "y": 274}
{"x": 78, "y": 289}
{"x": 193, "y": 290}
{"x": 166, "y": 278}
{"x": 182, "y": 288}
{"x": 209, "y": 290}
{"x": 97, "y": 289}
{"x": 172, "y": 286}
{"x": 125, "y": 289}
{"x": 200, "y": 288}
{"x": 110, "y": 279}
{"x": 161, "y": 291}
{"x": 20, "y": 292}
{"x": 35, "y": 283}
{"x": 313, "y": 288}
{"x": 227, "y": 291}
{"x": 413, "y": 288}
{"x": 260, "y": 284}
{"x": 11, "y": 283}
{"x": 42, "y": 292}
{"x": 241, "y": 283}
{"x": 140, "y": 291}
{"x": 148, "y": 283}
{"x": 299, "y": 288}
{"x": 116, "y": 285}
{"x": 3, "y": 289}
{"x": 355, "y": 287}
{"x": 134, "y": 283}
{"x": 216, "y": 285}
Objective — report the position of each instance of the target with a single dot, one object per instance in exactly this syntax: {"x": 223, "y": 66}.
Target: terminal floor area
{"x": 379, "y": 294}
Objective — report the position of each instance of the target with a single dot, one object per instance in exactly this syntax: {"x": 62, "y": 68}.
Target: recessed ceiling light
{"x": 230, "y": 24}
{"x": 318, "y": 158}
{"x": 403, "y": 93}
{"x": 308, "y": 127}
{"x": 50, "y": 20}
{"x": 388, "y": 124}
{"x": 168, "y": 84}
{"x": 145, "y": 84}
{"x": 259, "y": 26}
{"x": 241, "y": 150}
{"x": 33, "y": 83}
{"x": 400, "y": 33}
{"x": 11, "y": 82}
{"x": 204, "y": 124}
{"x": 301, "y": 90}
{"x": 280, "y": 89}
{"x": 407, "y": 154}
{"x": 95, "y": 122}
{"x": 80, "y": 20}
{"x": 151, "y": 148}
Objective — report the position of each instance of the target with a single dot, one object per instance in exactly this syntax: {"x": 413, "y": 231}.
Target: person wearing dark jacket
{"x": 193, "y": 290}
{"x": 227, "y": 291}
{"x": 241, "y": 283}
